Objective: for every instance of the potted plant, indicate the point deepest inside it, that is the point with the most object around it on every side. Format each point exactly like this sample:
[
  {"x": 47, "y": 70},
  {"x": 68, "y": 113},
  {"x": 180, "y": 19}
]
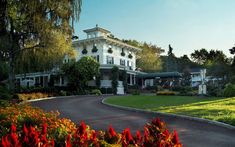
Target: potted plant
[
  {"x": 110, "y": 50},
  {"x": 123, "y": 53},
  {"x": 84, "y": 51},
  {"x": 94, "y": 49},
  {"x": 130, "y": 56}
]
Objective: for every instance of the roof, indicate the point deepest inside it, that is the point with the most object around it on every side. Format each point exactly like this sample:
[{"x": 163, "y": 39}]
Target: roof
[
  {"x": 107, "y": 39},
  {"x": 160, "y": 75},
  {"x": 96, "y": 29}
]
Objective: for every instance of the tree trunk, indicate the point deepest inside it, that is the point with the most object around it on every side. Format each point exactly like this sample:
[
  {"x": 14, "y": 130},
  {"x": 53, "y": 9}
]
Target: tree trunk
[
  {"x": 11, "y": 75},
  {"x": 3, "y": 7}
]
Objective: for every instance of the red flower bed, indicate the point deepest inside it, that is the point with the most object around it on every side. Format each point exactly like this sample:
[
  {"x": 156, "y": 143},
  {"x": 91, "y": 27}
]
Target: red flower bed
[
  {"x": 26, "y": 126},
  {"x": 155, "y": 134}
]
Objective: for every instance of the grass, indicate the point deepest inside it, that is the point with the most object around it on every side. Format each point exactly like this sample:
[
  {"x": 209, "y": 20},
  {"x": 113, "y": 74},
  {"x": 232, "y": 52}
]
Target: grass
[{"x": 219, "y": 109}]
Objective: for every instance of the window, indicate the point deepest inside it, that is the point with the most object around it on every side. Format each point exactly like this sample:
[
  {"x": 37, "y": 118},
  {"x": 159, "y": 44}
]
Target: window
[
  {"x": 62, "y": 80},
  {"x": 122, "y": 62},
  {"x": 129, "y": 64},
  {"x": 97, "y": 58},
  {"x": 109, "y": 60}
]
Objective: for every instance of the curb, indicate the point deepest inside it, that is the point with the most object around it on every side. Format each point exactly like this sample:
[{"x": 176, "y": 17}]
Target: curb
[{"x": 220, "y": 124}]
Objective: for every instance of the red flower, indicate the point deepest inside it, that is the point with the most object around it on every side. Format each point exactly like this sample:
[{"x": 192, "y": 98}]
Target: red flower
[
  {"x": 5, "y": 142},
  {"x": 82, "y": 128},
  {"x": 138, "y": 138},
  {"x": 25, "y": 130},
  {"x": 52, "y": 143},
  {"x": 111, "y": 131},
  {"x": 68, "y": 141},
  {"x": 14, "y": 139},
  {"x": 126, "y": 137},
  {"x": 13, "y": 128},
  {"x": 175, "y": 138},
  {"x": 93, "y": 136},
  {"x": 44, "y": 128}
]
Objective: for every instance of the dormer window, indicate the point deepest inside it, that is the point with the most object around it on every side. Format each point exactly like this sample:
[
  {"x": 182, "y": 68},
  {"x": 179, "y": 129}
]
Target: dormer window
[
  {"x": 110, "y": 49},
  {"x": 94, "y": 49}
]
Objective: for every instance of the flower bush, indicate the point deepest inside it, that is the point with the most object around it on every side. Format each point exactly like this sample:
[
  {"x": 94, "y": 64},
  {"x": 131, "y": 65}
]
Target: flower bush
[
  {"x": 165, "y": 93},
  {"x": 34, "y": 95},
  {"x": 31, "y": 127}
]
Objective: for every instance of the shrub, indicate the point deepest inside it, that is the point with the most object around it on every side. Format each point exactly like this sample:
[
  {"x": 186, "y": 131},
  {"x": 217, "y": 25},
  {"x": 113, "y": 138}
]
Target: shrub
[
  {"x": 106, "y": 90},
  {"x": 214, "y": 91},
  {"x": 4, "y": 93},
  {"x": 96, "y": 92},
  {"x": 30, "y": 96},
  {"x": 46, "y": 129},
  {"x": 229, "y": 90},
  {"x": 166, "y": 93},
  {"x": 183, "y": 90},
  {"x": 135, "y": 92},
  {"x": 62, "y": 93}
]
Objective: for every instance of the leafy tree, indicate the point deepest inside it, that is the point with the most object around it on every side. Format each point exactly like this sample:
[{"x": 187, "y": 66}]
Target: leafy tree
[
  {"x": 115, "y": 77},
  {"x": 123, "y": 77},
  {"x": 80, "y": 72},
  {"x": 88, "y": 69},
  {"x": 232, "y": 50},
  {"x": 149, "y": 58},
  {"x": 200, "y": 56},
  {"x": 71, "y": 70},
  {"x": 3, "y": 71},
  {"x": 36, "y": 25}
]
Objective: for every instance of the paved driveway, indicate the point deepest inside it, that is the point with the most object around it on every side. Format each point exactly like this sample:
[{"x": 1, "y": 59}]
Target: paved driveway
[{"x": 99, "y": 116}]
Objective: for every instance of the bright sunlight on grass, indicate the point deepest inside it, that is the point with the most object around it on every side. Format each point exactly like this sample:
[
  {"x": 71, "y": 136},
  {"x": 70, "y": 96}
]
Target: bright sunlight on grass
[{"x": 219, "y": 109}]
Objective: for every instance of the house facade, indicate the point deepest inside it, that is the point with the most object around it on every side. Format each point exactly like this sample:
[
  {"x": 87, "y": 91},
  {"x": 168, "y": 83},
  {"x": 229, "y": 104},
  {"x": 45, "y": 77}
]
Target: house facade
[
  {"x": 109, "y": 52},
  {"x": 105, "y": 49}
]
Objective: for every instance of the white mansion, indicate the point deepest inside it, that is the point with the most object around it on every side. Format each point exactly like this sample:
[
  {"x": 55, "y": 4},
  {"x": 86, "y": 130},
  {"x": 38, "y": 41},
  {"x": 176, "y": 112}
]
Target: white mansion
[{"x": 105, "y": 49}]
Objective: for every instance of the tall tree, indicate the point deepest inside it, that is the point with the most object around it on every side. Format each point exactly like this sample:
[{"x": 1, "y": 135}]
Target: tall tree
[
  {"x": 232, "y": 51},
  {"x": 200, "y": 56},
  {"x": 149, "y": 58},
  {"x": 36, "y": 25},
  {"x": 80, "y": 72}
]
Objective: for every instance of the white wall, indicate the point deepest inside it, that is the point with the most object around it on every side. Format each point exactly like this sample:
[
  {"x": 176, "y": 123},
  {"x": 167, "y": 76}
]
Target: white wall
[{"x": 103, "y": 53}]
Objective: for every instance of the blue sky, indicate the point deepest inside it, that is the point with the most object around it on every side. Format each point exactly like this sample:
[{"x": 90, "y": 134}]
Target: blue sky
[{"x": 185, "y": 24}]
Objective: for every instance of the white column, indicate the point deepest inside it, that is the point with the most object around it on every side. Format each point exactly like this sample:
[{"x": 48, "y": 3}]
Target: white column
[{"x": 60, "y": 81}]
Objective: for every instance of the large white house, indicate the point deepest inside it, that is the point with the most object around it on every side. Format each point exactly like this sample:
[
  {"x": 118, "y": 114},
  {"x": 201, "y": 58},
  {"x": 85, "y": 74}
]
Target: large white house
[
  {"x": 109, "y": 52},
  {"x": 100, "y": 45}
]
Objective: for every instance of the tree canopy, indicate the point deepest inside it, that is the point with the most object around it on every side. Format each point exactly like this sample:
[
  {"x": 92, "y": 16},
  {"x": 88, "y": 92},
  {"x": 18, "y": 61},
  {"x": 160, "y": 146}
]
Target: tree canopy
[
  {"x": 80, "y": 72},
  {"x": 38, "y": 28},
  {"x": 149, "y": 58}
]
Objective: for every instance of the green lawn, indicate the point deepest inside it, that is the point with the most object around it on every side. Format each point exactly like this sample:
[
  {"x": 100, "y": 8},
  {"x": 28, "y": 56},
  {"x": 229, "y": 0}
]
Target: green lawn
[{"x": 219, "y": 109}]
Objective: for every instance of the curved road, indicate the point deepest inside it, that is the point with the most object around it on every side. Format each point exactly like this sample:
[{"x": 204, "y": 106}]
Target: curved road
[{"x": 99, "y": 116}]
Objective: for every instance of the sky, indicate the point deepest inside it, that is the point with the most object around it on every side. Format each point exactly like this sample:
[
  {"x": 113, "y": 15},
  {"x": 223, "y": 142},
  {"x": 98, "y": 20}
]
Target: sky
[{"x": 187, "y": 25}]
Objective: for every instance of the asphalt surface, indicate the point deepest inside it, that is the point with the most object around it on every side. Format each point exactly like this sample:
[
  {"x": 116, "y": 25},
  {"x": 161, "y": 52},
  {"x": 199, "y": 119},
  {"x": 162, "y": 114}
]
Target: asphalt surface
[{"x": 99, "y": 116}]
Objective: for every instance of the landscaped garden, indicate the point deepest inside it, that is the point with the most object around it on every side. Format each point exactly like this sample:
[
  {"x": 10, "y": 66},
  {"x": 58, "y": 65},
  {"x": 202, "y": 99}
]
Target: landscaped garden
[{"x": 219, "y": 109}]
